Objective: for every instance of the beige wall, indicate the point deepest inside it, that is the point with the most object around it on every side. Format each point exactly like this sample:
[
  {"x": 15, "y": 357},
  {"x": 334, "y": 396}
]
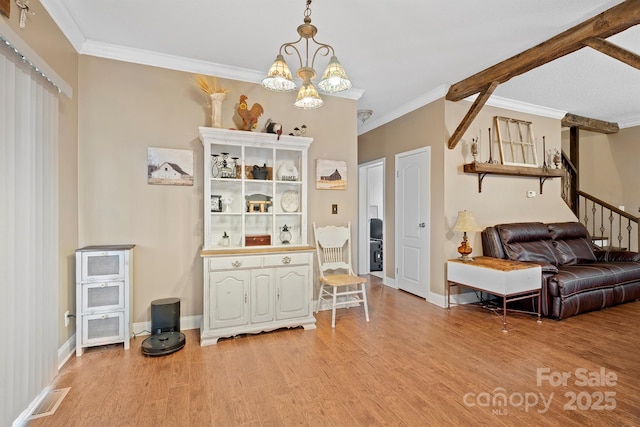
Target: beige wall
[
  {"x": 126, "y": 108},
  {"x": 503, "y": 198},
  {"x": 44, "y": 37},
  {"x": 420, "y": 128},
  {"x": 608, "y": 165},
  {"x": 626, "y": 152}
]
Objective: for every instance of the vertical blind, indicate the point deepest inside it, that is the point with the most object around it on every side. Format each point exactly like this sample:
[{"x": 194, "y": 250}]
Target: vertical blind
[{"x": 28, "y": 234}]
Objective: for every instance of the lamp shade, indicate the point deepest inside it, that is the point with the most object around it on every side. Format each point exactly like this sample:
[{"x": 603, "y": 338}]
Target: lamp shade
[
  {"x": 466, "y": 222},
  {"x": 279, "y": 76},
  {"x": 334, "y": 78},
  {"x": 308, "y": 97}
]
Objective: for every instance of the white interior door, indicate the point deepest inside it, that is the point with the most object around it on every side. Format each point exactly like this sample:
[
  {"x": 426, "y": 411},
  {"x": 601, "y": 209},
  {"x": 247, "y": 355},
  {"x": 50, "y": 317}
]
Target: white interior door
[{"x": 412, "y": 221}]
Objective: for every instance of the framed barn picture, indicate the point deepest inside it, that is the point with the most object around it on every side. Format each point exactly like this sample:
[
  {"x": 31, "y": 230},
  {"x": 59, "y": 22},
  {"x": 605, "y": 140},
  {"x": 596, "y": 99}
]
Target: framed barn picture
[
  {"x": 331, "y": 175},
  {"x": 166, "y": 166}
]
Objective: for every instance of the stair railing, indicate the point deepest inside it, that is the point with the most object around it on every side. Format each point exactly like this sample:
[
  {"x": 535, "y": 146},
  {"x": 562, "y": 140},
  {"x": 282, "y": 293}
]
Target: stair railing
[
  {"x": 606, "y": 222},
  {"x": 569, "y": 188}
]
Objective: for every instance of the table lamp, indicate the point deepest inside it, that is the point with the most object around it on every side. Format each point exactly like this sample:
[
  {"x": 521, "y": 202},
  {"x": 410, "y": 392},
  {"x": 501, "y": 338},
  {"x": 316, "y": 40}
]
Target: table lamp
[{"x": 465, "y": 223}]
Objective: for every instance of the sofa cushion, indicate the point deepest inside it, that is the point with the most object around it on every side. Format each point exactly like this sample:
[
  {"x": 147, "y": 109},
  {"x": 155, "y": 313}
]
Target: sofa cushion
[
  {"x": 529, "y": 241},
  {"x": 573, "y": 243},
  {"x": 575, "y": 251},
  {"x": 573, "y": 279},
  {"x": 616, "y": 256}
]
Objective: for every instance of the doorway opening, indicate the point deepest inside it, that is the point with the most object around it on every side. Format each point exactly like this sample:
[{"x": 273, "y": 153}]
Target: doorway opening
[{"x": 371, "y": 208}]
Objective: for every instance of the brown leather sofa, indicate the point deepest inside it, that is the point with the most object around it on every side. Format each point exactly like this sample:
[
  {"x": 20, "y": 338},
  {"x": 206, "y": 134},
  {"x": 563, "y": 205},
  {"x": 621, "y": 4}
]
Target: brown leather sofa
[{"x": 575, "y": 277}]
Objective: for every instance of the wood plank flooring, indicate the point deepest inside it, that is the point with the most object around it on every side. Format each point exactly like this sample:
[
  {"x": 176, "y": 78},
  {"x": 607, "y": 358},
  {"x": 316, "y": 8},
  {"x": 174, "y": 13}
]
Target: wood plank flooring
[{"x": 413, "y": 364}]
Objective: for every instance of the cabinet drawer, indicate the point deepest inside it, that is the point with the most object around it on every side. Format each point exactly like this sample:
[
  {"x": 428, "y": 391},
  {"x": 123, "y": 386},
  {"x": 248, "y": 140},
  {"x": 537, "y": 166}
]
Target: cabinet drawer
[
  {"x": 285, "y": 259},
  {"x": 234, "y": 262},
  {"x": 102, "y": 328},
  {"x": 101, "y": 297},
  {"x": 103, "y": 265}
]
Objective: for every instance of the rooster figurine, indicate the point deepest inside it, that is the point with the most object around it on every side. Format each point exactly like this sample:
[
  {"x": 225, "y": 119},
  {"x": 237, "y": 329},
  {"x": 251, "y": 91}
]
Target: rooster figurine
[{"x": 249, "y": 117}]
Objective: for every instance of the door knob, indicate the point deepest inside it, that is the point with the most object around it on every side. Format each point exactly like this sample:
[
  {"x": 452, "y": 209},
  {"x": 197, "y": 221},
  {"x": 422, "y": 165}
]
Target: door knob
[{"x": 421, "y": 225}]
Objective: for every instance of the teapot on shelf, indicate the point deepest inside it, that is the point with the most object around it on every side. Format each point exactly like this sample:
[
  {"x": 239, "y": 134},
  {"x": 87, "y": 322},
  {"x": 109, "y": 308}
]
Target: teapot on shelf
[{"x": 259, "y": 172}]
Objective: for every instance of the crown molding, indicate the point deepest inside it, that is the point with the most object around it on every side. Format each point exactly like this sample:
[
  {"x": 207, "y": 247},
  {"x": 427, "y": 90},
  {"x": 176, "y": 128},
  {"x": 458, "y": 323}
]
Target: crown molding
[
  {"x": 629, "y": 123},
  {"x": 180, "y": 63},
  {"x": 522, "y": 107},
  {"x": 441, "y": 91},
  {"x": 173, "y": 62},
  {"x": 412, "y": 105},
  {"x": 65, "y": 22}
]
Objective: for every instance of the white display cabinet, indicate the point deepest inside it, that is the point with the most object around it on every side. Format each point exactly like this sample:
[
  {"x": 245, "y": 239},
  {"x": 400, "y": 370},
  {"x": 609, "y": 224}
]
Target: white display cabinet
[
  {"x": 256, "y": 185},
  {"x": 258, "y": 267}
]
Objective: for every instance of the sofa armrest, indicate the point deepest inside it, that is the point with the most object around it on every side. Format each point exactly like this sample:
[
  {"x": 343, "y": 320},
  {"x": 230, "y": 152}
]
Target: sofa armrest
[
  {"x": 547, "y": 267},
  {"x": 617, "y": 256}
]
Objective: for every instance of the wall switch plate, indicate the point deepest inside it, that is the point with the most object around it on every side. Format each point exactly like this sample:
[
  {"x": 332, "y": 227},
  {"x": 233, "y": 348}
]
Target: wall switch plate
[
  {"x": 531, "y": 193},
  {"x": 66, "y": 318},
  {"x": 334, "y": 209}
]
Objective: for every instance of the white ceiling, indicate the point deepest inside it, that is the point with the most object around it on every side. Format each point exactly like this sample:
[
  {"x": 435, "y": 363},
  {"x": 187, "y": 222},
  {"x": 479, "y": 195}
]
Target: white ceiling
[{"x": 399, "y": 55}]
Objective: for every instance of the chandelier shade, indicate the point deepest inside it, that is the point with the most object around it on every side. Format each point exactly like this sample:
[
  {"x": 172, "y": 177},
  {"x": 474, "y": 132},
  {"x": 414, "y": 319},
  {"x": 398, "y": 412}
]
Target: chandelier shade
[
  {"x": 308, "y": 98},
  {"x": 334, "y": 79},
  {"x": 279, "y": 76}
]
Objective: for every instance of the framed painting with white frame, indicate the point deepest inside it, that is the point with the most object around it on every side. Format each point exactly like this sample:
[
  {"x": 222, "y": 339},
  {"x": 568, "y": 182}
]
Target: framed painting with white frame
[
  {"x": 516, "y": 142},
  {"x": 331, "y": 174}
]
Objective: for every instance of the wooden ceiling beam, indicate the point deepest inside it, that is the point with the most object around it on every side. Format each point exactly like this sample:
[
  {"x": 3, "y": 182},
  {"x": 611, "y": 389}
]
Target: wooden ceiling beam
[
  {"x": 593, "y": 125},
  {"x": 606, "y": 24},
  {"x": 477, "y": 105},
  {"x": 614, "y": 51}
]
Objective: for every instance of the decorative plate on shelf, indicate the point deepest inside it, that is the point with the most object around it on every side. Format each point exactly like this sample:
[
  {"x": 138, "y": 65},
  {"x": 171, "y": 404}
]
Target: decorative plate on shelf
[{"x": 290, "y": 201}]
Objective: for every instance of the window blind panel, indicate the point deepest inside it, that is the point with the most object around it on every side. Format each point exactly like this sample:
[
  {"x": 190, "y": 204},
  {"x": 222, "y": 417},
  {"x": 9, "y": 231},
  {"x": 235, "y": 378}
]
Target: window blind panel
[{"x": 29, "y": 241}]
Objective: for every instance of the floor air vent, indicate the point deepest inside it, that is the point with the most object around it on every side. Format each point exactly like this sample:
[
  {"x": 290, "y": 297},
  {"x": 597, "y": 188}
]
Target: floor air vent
[{"x": 49, "y": 403}]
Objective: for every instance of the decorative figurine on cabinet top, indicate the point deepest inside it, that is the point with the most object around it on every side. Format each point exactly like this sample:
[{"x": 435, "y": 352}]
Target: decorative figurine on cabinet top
[
  {"x": 249, "y": 116},
  {"x": 273, "y": 127}
]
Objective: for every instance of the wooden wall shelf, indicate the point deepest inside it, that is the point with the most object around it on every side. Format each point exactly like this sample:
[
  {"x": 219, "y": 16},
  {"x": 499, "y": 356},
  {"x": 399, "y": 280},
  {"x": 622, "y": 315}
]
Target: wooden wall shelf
[{"x": 484, "y": 169}]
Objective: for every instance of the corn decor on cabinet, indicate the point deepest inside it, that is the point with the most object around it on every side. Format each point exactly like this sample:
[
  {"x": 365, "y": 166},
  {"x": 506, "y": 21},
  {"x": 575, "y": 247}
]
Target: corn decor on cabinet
[
  {"x": 257, "y": 264},
  {"x": 103, "y": 295}
]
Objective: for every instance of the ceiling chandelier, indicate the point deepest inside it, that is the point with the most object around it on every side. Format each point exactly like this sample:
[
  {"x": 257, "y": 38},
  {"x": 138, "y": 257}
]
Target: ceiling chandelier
[{"x": 333, "y": 80}]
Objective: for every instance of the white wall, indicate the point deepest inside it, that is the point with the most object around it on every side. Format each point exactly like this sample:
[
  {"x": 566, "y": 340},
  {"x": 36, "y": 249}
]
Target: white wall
[{"x": 376, "y": 190}]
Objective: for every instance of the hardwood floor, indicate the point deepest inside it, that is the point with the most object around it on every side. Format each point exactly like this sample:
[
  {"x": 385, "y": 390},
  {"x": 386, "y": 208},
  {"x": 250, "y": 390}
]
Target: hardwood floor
[{"x": 413, "y": 364}]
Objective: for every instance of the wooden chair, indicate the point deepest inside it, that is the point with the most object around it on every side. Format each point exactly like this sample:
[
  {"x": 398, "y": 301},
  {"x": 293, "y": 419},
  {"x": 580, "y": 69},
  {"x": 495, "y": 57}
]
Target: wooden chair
[{"x": 333, "y": 248}]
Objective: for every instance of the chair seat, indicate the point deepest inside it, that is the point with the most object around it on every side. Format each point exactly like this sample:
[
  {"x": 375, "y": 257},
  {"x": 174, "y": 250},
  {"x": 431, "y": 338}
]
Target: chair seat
[
  {"x": 342, "y": 279},
  {"x": 333, "y": 249}
]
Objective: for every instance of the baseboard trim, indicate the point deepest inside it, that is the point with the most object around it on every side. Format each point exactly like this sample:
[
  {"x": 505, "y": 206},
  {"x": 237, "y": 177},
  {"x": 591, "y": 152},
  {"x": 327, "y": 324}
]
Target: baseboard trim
[
  {"x": 390, "y": 282},
  {"x": 186, "y": 322},
  {"x": 65, "y": 352}
]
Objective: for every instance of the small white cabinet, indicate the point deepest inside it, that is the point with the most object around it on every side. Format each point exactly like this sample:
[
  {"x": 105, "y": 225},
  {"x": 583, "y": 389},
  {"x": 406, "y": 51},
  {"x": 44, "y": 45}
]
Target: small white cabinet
[
  {"x": 257, "y": 265},
  {"x": 103, "y": 295}
]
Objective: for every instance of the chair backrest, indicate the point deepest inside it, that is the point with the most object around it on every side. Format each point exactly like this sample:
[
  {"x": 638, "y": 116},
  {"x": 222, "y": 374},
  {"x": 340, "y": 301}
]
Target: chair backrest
[{"x": 333, "y": 248}]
